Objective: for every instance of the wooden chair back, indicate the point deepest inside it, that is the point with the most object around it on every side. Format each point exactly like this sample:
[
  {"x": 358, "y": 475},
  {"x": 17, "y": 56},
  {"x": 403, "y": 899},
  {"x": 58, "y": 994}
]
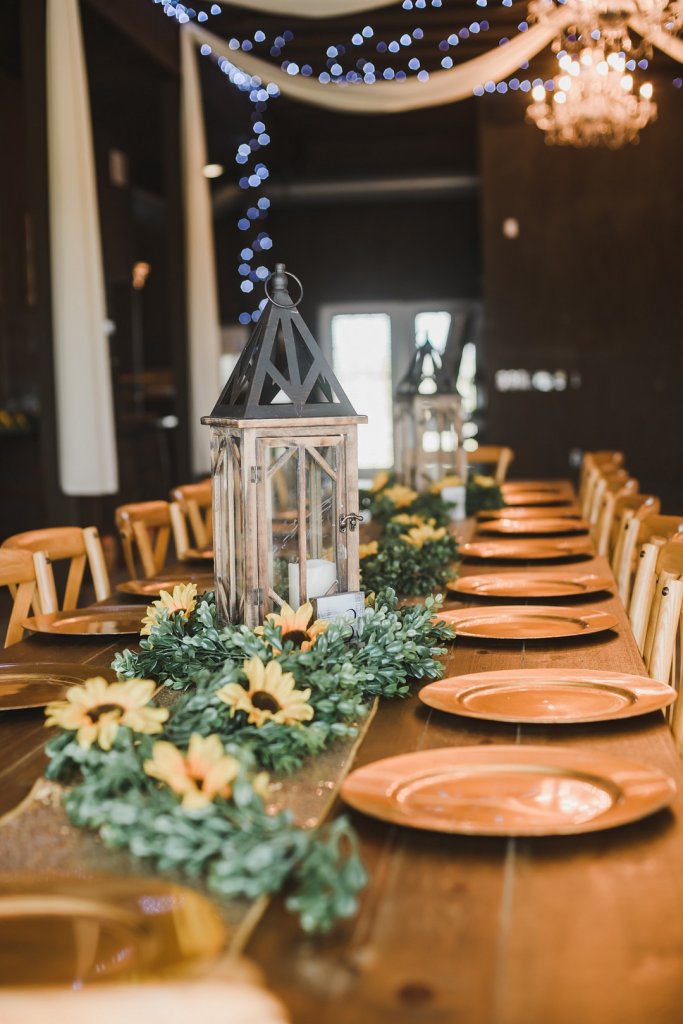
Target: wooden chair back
[
  {"x": 652, "y": 529},
  {"x": 145, "y": 527},
  {"x": 192, "y": 506},
  {"x": 596, "y": 460},
  {"x": 615, "y": 481},
  {"x": 18, "y": 573},
  {"x": 496, "y": 458},
  {"x": 612, "y": 506},
  {"x": 80, "y": 547},
  {"x": 626, "y": 507}
]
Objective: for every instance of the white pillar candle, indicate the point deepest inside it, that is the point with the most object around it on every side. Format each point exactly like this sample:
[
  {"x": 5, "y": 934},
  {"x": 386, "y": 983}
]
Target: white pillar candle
[
  {"x": 321, "y": 574},
  {"x": 455, "y": 496}
]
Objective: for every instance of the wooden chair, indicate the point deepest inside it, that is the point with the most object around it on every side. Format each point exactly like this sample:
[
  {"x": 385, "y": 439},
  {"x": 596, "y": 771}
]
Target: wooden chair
[
  {"x": 653, "y": 529},
  {"x": 80, "y": 546},
  {"x": 192, "y": 504},
  {"x": 17, "y": 572},
  {"x": 595, "y": 460},
  {"x": 496, "y": 457},
  {"x": 627, "y": 506},
  {"x": 614, "y": 480},
  {"x": 612, "y": 506},
  {"x": 145, "y": 526}
]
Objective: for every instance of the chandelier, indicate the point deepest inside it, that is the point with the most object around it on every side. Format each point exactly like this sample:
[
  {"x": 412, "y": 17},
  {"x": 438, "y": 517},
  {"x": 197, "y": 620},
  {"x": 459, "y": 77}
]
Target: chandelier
[
  {"x": 609, "y": 22},
  {"x": 592, "y": 103}
]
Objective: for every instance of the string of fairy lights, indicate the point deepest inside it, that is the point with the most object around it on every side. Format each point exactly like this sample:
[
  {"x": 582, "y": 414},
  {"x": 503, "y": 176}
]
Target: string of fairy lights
[{"x": 361, "y": 59}]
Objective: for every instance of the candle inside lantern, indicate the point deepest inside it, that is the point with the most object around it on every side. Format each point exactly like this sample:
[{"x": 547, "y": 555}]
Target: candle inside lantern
[
  {"x": 455, "y": 496},
  {"x": 321, "y": 575}
]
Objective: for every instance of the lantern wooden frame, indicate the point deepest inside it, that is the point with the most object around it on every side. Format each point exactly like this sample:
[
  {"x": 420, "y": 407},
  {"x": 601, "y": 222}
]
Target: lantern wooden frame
[{"x": 416, "y": 416}]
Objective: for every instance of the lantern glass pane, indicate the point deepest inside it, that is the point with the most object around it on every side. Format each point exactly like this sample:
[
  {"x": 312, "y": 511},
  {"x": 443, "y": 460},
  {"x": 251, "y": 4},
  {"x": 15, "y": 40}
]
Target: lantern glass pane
[
  {"x": 237, "y": 552},
  {"x": 282, "y": 519},
  {"x": 322, "y": 576}
]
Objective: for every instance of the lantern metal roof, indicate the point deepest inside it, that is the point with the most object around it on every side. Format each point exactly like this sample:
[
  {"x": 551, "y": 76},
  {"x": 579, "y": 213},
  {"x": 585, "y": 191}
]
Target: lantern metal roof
[
  {"x": 282, "y": 372},
  {"x": 417, "y": 373}
]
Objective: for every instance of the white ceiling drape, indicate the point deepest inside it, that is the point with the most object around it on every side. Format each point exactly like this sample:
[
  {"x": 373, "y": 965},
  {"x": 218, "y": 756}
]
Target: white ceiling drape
[
  {"x": 83, "y": 387},
  {"x": 397, "y": 97},
  {"x": 309, "y": 8},
  {"x": 202, "y": 300}
]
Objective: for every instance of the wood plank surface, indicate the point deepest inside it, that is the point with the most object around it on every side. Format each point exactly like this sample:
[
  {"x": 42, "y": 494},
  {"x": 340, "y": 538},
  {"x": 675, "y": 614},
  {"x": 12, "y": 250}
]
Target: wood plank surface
[{"x": 465, "y": 930}]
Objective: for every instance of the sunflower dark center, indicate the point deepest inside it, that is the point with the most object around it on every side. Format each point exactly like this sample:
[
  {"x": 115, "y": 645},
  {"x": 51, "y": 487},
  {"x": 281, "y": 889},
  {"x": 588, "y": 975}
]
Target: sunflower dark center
[
  {"x": 265, "y": 701},
  {"x": 102, "y": 709},
  {"x": 297, "y": 636}
]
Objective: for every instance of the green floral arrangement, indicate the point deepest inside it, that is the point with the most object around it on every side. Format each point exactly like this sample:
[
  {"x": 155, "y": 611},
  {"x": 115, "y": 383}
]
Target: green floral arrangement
[
  {"x": 412, "y": 550},
  {"x": 199, "y": 810},
  {"x": 482, "y": 493},
  {"x": 288, "y": 688},
  {"x": 183, "y": 786},
  {"x": 388, "y": 499}
]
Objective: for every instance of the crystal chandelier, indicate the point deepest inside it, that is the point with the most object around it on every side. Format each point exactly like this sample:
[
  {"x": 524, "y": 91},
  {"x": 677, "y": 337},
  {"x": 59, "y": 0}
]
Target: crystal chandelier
[
  {"x": 609, "y": 20},
  {"x": 592, "y": 102}
]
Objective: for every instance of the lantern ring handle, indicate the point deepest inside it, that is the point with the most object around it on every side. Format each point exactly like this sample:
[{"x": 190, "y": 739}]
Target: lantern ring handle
[{"x": 281, "y": 305}]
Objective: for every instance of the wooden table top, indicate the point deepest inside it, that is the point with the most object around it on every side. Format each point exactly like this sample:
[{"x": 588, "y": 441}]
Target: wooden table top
[{"x": 465, "y": 930}]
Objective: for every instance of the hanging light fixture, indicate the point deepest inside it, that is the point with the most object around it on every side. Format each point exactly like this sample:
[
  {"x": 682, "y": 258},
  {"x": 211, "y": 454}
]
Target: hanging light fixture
[{"x": 593, "y": 102}]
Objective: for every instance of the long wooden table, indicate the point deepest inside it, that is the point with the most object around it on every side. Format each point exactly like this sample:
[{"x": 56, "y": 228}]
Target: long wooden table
[{"x": 463, "y": 930}]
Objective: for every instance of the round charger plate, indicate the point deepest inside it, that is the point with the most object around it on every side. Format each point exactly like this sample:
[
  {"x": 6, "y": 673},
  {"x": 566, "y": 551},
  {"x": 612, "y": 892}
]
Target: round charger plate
[
  {"x": 548, "y": 525},
  {"x": 551, "y": 486},
  {"x": 519, "y": 550},
  {"x": 524, "y": 512},
  {"x": 153, "y": 587},
  {"x": 73, "y": 931},
  {"x": 535, "y": 497},
  {"x": 121, "y": 620},
  {"x": 526, "y": 622},
  {"x": 508, "y": 790},
  {"x": 548, "y": 696},
  {"x": 34, "y": 686},
  {"x": 531, "y": 584}
]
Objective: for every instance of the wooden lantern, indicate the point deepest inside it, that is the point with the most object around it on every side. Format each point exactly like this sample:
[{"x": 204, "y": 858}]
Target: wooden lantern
[
  {"x": 427, "y": 423},
  {"x": 284, "y": 471}
]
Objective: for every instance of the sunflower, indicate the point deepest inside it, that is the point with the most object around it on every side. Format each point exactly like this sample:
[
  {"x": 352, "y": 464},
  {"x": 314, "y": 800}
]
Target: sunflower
[
  {"x": 272, "y": 695},
  {"x": 400, "y": 495},
  {"x": 421, "y": 535},
  {"x": 379, "y": 481},
  {"x": 200, "y": 775},
  {"x": 98, "y": 708},
  {"x": 183, "y": 600},
  {"x": 407, "y": 520},
  {"x": 447, "y": 481},
  {"x": 297, "y": 626},
  {"x": 366, "y": 550},
  {"x": 483, "y": 481}
]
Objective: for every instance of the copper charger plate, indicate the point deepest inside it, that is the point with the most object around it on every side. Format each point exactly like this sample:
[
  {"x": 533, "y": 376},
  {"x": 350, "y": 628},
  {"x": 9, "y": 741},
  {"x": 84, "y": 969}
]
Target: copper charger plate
[
  {"x": 23, "y": 687},
  {"x": 545, "y": 525},
  {"x": 525, "y": 622},
  {"x": 533, "y": 512},
  {"x": 551, "y": 486},
  {"x": 531, "y": 584},
  {"x": 508, "y": 790},
  {"x": 197, "y": 555},
  {"x": 121, "y": 620},
  {"x": 553, "y": 696},
  {"x": 74, "y": 931},
  {"x": 520, "y": 550},
  {"x": 153, "y": 587},
  {"x": 536, "y": 497}
]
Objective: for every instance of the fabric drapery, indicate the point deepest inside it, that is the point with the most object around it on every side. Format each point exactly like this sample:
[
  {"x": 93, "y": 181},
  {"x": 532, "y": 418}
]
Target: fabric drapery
[
  {"x": 202, "y": 299},
  {"x": 84, "y": 402},
  {"x": 397, "y": 97}
]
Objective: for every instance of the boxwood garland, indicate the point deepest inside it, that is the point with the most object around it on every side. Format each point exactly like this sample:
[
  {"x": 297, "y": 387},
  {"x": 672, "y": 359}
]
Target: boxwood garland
[{"x": 234, "y": 843}]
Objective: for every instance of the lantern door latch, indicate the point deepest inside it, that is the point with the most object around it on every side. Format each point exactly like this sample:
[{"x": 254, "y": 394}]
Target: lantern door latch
[
  {"x": 350, "y": 520},
  {"x": 256, "y": 474}
]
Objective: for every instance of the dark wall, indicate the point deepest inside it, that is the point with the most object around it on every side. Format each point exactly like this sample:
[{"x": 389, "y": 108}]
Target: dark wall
[
  {"x": 358, "y": 253},
  {"x": 591, "y": 285}
]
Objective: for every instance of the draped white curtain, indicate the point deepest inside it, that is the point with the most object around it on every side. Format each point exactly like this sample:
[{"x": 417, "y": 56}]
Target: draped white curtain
[
  {"x": 396, "y": 97},
  {"x": 85, "y": 409},
  {"x": 202, "y": 299},
  {"x": 309, "y": 8}
]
